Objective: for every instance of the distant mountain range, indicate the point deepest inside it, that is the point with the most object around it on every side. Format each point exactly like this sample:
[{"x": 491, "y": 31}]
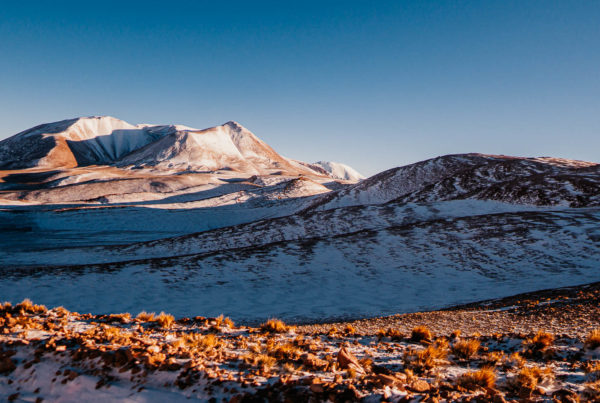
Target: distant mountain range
[
  {"x": 243, "y": 230},
  {"x": 104, "y": 140}
]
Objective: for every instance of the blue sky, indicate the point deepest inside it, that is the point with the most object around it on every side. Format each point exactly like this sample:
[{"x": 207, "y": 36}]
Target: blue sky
[{"x": 372, "y": 84}]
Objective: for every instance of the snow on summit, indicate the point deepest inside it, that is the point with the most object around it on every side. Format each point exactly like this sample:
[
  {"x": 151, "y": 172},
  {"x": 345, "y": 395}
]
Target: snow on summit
[
  {"x": 104, "y": 140},
  {"x": 340, "y": 171}
]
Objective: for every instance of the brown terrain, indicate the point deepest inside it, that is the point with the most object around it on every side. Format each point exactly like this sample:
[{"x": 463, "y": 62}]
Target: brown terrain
[{"x": 542, "y": 346}]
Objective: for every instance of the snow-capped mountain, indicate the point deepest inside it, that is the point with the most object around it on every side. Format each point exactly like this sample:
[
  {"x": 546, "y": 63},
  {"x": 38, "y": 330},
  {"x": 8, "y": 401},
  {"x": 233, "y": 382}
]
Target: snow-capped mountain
[
  {"x": 104, "y": 140},
  {"x": 338, "y": 170},
  {"x": 96, "y": 203},
  {"x": 530, "y": 181}
]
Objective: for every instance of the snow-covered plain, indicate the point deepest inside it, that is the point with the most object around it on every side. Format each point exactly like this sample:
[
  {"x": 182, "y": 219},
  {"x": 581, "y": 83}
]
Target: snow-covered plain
[{"x": 215, "y": 221}]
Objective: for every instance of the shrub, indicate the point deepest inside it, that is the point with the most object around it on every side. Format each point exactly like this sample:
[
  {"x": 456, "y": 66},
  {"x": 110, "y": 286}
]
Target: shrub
[
  {"x": 515, "y": 360},
  {"x": 483, "y": 378},
  {"x": 592, "y": 341},
  {"x": 275, "y": 326},
  {"x": 119, "y": 317},
  {"x": 421, "y": 333},
  {"x": 284, "y": 352},
  {"x": 393, "y": 334},
  {"x": 466, "y": 348},
  {"x": 592, "y": 391},
  {"x": 263, "y": 361},
  {"x": 528, "y": 378},
  {"x": 494, "y": 357},
  {"x": 26, "y": 306},
  {"x": 349, "y": 329},
  {"x": 427, "y": 358},
  {"x": 592, "y": 369},
  {"x": 201, "y": 342},
  {"x": 145, "y": 316},
  {"x": 541, "y": 340},
  {"x": 165, "y": 320}
]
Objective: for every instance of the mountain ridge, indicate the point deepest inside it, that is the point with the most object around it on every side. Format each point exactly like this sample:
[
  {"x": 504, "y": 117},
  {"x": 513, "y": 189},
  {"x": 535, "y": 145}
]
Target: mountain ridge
[{"x": 105, "y": 140}]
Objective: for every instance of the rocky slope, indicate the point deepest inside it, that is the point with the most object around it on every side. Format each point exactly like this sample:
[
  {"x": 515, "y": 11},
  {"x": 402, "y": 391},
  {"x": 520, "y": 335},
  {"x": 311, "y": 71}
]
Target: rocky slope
[{"x": 57, "y": 355}]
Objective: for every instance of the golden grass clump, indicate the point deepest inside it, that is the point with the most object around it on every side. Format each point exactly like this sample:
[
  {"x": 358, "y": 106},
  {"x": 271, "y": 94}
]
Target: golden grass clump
[
  {"x": 222, "y": 320},
  {"x": 592, "y": 370},
  {"x": 284, "y": 352},
  {"x": 60, "y": 311},
  {"x": 483, "y": 378},
  {"x": 145, "y": 316},
  {"x": 110, "y": 334},
  {"x": 592, "y": 341},
  {"x": 515, "y": 360},
  {"x": 165, "y": 320},
  {"x": 540, "y": 341},
  {"x": 119, "y": 317},
  {"x": 393, "y": 334},
  {"x": 275, "y": 326},
  {"x": 591, "y": 392},
  {"x": 427, "y": 358},
  {"x": 466, "y": 348},
  {"x": 263, "y": 361},
  {"x": 494, "y": 357},
  {"x": 528, "y": 378},
  {"x": 26, "y": 306},
  {"x": 349, "y": 329},
  {"x": 421, "y": 333},
  {"x": 201, "y": 342}
]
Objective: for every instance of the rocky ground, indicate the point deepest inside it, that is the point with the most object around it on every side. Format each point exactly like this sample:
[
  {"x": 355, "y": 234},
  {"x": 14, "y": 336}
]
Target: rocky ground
[{"x": 542, "y": 346}]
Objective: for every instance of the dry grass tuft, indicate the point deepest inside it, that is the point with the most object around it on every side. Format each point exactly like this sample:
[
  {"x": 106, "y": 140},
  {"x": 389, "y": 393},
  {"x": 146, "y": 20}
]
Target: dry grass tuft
[
  {"x": 483, "y": 378},
  {"x": 222, "y": 320},
  {"x": 592, "y": 370},
  {"x": 428, "y": 358},
  {"x": 262, "y": 361},
  {"x": 494, "y": 357},
  {"x": 5, "y": 306},
  {"x": 591, "y": 392},
  {"x": 145, "y": 316},
  {"x": 228, "y": 322},
  {"x": 349, "y": 329},
  {"x": 528, "y": 379},
  {"x": 515, "y": 360},
  {"x": 119, "y": 317},
  {"x": 540, "y": 341},
  {"x": 592, "y": 341},
  {"x": 283, "y": 352},
  {"x": 466, "y": 348},
  {"x": 275, "y": 326},
  {"x": 201, "y": 342},
  {"x": 60, "y": 311},
  {"x": 393, "y": 334},
  {"x": 165, "y": 320},
  {"x": 26, "y": 306},
  {"x": 421, "y": 333}
]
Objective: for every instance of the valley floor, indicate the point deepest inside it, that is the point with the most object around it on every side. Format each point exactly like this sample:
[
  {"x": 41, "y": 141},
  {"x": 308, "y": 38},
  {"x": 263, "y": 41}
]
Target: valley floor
[{"x": 542, "y": 346}]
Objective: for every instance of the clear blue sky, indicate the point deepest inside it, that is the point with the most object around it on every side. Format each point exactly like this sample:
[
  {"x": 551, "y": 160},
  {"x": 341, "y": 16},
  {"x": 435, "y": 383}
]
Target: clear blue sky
[{"x": 373, "y": 84}]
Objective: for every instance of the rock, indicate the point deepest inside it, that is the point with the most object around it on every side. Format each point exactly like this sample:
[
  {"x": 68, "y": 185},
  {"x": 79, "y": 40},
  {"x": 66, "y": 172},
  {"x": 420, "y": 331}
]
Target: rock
[
  {"x": 7, "y": 365},
  {"x": 316, "y": 388},
  {"x": 313, "y": 361},
  {"x": 122, "y": 357},
  {"x": 420, "y": 386},
  {"x": 565, "y": 396},
  {"x": 347, "y": 360},
  {"x": 387, "y": 380}
]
